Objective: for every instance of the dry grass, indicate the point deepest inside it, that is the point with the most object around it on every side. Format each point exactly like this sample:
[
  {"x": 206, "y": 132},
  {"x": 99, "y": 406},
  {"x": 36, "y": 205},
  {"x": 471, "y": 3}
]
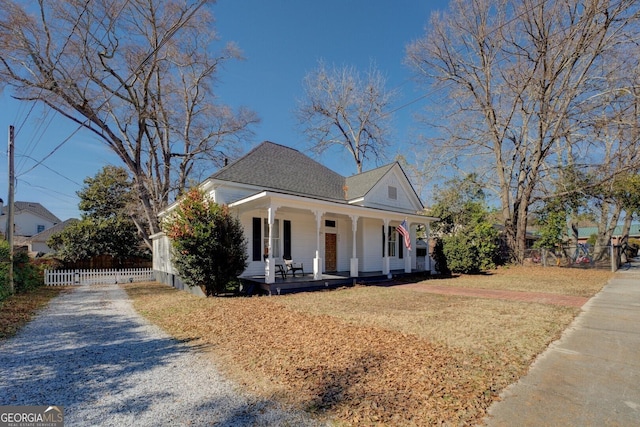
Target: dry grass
[
  {"x": 470, "y": 324},
  {"x": 17, "y": 310},
  {"x": 375, "y": 355},
  {"x": 557, "y": 280}
]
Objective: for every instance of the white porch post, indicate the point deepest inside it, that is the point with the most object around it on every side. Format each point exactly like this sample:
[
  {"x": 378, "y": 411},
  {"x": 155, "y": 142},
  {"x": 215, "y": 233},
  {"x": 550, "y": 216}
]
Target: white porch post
[
  {"x": 317, "y": 261},
  {"x": 269, "y": 265},
  {"x": 408, "y": 258},
  {"x": 354, "y": 255},
  {"x": 385, "y": 250}
]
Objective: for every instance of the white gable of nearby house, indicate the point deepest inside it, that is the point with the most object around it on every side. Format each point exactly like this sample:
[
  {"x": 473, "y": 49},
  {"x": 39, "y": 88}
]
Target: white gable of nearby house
[
  {"x": 293, "y": 207},
  {"x": 30, "y": 218}
]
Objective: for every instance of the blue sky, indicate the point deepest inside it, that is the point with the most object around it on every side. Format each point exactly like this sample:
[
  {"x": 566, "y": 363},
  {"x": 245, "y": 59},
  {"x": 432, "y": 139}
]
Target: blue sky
[{"x": 282, "y": 41}]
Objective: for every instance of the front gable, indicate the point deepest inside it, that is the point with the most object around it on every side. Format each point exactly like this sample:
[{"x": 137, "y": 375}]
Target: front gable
[{"x": 388, "y": 189}]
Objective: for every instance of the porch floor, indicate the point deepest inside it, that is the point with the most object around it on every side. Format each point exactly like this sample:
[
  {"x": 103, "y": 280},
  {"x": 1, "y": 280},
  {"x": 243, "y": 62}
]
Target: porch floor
[{"x": 306, "y": 282}]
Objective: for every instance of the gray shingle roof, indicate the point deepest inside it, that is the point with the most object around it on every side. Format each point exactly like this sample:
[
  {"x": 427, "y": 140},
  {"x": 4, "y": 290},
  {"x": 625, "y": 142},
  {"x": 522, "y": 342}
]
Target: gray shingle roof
[
  {"x": 276, "y": 167},
  {"x": 359, "y": 185},
  {"x": 33, "y": 207},
  {"x": 44, "y": 235}
]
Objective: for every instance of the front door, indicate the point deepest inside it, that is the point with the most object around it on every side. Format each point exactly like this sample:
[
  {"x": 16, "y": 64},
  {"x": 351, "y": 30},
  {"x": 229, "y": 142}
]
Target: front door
[{"x": 330, "y": 252}]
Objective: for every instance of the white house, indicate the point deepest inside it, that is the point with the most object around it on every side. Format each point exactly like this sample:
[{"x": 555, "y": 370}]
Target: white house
[
  {"x": 38, "y": 243},
  {"x": 30, "y": 218},
  {"x": 295, "y": 208}
]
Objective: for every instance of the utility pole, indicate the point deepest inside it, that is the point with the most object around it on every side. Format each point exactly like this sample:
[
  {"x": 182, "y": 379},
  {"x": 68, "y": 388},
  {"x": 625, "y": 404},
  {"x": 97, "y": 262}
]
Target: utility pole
[{"x": 11, "y": 207}]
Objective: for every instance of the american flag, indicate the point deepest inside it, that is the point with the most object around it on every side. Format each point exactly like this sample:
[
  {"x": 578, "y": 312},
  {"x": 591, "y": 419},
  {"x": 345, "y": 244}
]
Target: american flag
[{"x": 403, "y": 229}]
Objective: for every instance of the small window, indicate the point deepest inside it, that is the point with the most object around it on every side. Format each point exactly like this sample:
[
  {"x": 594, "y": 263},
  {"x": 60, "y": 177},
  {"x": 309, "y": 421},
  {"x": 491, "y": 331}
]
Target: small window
[
  {"x": 393, "y": 192},
  {"x": 330, "y": 223},
  {"x": 40, "y": 228}
]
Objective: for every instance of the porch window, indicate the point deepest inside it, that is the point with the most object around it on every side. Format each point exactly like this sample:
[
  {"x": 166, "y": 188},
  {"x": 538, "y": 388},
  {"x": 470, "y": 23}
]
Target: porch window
[
  {"x": 392, "y": 241},
  {"x": 275, "y": 239}
]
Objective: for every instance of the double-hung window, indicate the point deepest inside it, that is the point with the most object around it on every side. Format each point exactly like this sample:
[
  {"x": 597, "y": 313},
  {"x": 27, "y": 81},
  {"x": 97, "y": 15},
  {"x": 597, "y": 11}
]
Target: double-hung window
[
  {"x": 393, "y": 241},
  {"x": 279, "y": 241},
  {"x": 275, "y": 238}
]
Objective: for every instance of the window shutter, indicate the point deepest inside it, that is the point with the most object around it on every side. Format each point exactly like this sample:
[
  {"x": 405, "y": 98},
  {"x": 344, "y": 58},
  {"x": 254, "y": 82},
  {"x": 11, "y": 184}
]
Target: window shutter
[
  {"x": 287, "y": 239},
  {"x": 257, "y": 239}
]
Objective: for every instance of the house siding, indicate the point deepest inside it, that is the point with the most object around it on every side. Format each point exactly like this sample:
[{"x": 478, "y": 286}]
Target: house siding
[
  {"x": 26, "y": 224},
  {"x": 39, "y": 247},
  {"x": 229, "y": 194},
  {"x": 371, "y": 259},
  {"x": 162, "y": 254}
]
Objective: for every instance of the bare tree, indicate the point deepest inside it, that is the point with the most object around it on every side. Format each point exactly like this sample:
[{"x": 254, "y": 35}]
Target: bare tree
[
  {"x": 613, "y": 134},
  {"x": 341, "y": 107},
  {"x": 515, "y": 72},
  {"x": 139, "y": 74}
]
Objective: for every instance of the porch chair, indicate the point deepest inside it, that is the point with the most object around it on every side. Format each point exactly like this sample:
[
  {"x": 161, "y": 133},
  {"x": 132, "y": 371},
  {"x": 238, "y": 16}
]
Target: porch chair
[{"x": 292, "y": 267}]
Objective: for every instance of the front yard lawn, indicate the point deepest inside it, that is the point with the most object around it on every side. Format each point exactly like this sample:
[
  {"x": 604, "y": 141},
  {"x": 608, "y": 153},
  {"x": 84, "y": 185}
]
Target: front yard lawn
[{"x": 377, "y": 355}]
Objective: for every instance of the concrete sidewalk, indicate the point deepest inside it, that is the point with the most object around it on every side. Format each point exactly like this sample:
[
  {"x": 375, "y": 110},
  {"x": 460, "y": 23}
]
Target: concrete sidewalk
[{"x": 591, "y": 376}]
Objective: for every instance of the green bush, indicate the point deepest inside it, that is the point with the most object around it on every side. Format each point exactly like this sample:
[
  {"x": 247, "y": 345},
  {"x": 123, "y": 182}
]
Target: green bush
[
  {"x": 472, "y": 249},
  {"x": 27, "y": 276},
  {"x": 440, "y": 258},
  {"x": 208, "y": 245}
]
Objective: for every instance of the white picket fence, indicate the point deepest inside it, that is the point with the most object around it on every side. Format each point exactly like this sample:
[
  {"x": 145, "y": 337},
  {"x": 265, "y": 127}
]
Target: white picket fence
[{"x": 97, "y": 277}]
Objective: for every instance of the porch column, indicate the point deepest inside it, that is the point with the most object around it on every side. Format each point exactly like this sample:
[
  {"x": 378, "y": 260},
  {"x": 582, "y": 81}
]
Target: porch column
[
  {"x": 354, "y": 255},
  {"x": 317, "y": 261},
  {"x": 408, "y": 257},
  {"x": 269, "y": 265},
  {"x": 385, "y": 250}
]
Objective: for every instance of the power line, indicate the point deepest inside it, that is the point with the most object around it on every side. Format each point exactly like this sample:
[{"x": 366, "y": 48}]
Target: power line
[
  {"x": 51, "y": 170},
  {"x": 46, "y": 111},
  {"x": 64, "y": 46}
]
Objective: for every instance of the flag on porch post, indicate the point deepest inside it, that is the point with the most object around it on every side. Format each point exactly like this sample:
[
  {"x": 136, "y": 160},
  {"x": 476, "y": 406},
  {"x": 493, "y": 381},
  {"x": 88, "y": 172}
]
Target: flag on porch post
[{"x": 403, "y": 229}]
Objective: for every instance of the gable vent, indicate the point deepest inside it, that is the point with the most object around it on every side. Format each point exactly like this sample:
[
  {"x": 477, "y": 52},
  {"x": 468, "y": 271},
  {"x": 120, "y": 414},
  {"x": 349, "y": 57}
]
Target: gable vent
[{"x": 393, "y": 192}]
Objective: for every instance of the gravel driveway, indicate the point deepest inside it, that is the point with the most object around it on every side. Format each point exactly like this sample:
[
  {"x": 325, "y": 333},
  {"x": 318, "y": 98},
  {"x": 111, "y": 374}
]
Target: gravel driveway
[{"x": 90, "y": 352}]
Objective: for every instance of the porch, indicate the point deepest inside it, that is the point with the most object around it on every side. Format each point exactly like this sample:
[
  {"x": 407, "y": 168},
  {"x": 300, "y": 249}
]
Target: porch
[{"x": 253, "y": 285}]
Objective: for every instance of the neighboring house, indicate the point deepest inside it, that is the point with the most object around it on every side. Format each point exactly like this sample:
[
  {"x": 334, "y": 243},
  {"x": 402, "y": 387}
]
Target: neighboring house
[
  {"x": 30, "y": 218},
  {"x": 293, "y": 207},
  {"x": 38, "y": 244},
  {"x": 584, "y": 233}
]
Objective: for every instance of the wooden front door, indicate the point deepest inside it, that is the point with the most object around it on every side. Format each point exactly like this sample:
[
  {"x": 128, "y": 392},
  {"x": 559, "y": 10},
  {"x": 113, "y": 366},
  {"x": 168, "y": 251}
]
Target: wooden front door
[{"x": 330, "y": 252}]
